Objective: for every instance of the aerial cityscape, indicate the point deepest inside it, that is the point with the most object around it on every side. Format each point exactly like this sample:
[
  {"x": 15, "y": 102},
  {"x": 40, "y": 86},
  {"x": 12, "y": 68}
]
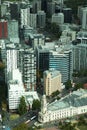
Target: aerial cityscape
[{"x": 43, "y": 65}]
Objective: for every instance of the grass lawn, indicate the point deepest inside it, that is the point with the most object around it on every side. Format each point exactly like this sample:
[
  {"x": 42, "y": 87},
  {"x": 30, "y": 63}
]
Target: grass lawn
[
  {"x": 14, "y": 116},
  {"x": 82, "y": 127}
]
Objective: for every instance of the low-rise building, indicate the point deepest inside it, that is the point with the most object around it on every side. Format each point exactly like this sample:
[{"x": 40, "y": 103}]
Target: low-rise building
[
  {"x": 16, "y": 90},
  {"x": 71, "y": 105}
]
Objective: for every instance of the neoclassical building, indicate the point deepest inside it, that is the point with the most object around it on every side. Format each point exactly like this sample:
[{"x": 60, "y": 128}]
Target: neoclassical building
[{"x": 73, "y": 104}]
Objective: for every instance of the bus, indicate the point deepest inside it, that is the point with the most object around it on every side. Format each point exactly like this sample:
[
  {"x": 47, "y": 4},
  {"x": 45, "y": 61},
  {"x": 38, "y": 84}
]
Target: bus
[{"x": 27, "y": 121}]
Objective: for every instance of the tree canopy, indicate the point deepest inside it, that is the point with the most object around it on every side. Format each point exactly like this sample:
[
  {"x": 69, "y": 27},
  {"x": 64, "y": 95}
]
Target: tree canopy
[
  {"x": 53, "y": 29},
  {"x": 68, "y": 84},
  {"x": 36, "y": 105},
  {"x": 22, "y": 109},
  {"x": 2, "y": 65},
  {"x": 21, "y": 127}
]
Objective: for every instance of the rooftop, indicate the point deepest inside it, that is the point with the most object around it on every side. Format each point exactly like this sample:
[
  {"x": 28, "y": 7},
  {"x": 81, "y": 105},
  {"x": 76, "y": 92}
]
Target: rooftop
[
  {"x": 53, "y": 73},
  {"x": 75, "y": 99}
]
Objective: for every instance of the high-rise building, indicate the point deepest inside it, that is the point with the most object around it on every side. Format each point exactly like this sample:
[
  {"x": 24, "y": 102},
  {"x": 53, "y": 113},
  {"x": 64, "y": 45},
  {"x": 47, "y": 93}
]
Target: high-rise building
[
  {"x": 84, "y": 18},
  {"x": 50, "y": 8},
  {"x": 63, "y": 62},
  {"x": 59, "y": 58},
  {"x": 25, "y": 16},
  {"x": 27, "y": 66},
  {"x": 52, "y": 81},
  {"x": 32, "y": 20},
  {"x": 44, "y": 5},
  {"x": 36, "y": 6},
  {"x": 80, "y": 56},
  {"x": 3, "y": 10},
  {"x": 42, "y": 60},
  {"x": 11, "y": 62},
  {"x": 14, "y": 10},
  {"x": 3, "y": 29},
  {"x": 13, "y": 31},
  {"x": 67, "y": 15},
  {"x": 41, "y": 19}
]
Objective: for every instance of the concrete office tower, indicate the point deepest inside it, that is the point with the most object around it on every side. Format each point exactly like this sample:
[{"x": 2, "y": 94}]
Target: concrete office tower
[
  {"x": 52, "y": 81},
  {"x": 36, "y": 6},
  {"x": 50, "y": 8},
  {"x": 41, "y": 19},
  {"x": 27, "y": 66},
  {"x": 13, "y": 31},
  {"x": 3, "y": 9},
  {"x": 32, "y": 18},
  {"x": 84, "y": 18},
  {"x": 3, "y": 29},
  {"x": 80, "y": 12},
  {"x": 63, "y": 62},
  {"x": 80, "y": 56},
  {"x": 67, "y": 15},
  {"x": 44, "y": 5},
  {"x": 14, "y": 10},
  {"x": 58, "y": 18},
  {"x": 24, "y": 16}
]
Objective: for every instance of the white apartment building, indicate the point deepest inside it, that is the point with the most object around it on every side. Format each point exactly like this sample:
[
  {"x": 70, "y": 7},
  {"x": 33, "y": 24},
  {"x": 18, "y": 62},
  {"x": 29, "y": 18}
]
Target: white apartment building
[
  {"x": 25, "y": 16},
  {"x": 11, "y": 62},
  {"x": 15, "y": 89},
  {"x": 73, "y": 104},
  {"x": 51, "y": 81}
]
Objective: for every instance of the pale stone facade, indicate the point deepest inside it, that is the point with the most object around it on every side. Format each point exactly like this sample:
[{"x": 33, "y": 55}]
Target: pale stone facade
[
  {"x": 52, "y": 81},
  {"x": 71, "y": 105}
]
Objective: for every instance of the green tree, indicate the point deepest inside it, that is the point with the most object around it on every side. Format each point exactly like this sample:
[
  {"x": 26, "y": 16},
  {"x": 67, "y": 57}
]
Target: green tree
[
  {"x": 22, "y": 109},
  {"x": 68, "y": 84},
  {"x": 55, "y": 30},
  {"x": 2, "y": 65},
  {"x": 81, "y": 120},
  {"x": 36, "y": 105},
  {"x": 56, "y": 93},
  {"x": 78, "y": 86},
  {"x": 22, "y": 126}
]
